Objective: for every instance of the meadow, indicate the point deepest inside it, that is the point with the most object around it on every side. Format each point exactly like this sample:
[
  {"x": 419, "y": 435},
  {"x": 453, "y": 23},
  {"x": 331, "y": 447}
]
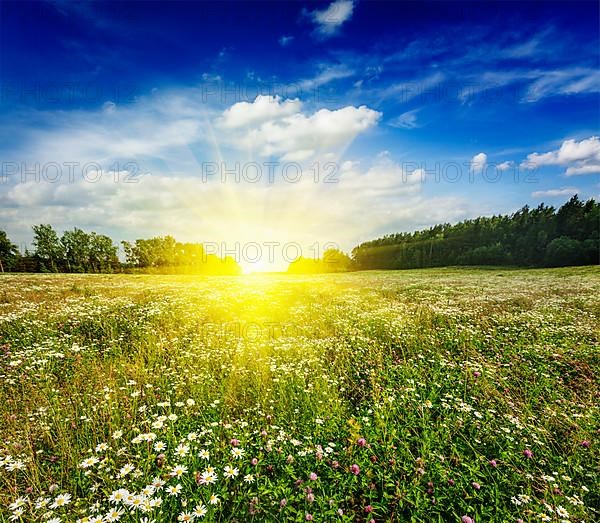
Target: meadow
[{"x": 442, "y": 395}]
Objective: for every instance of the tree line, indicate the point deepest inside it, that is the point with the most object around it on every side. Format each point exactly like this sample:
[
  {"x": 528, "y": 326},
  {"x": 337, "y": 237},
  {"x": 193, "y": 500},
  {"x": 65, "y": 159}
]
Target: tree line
[
  {"x": 80, "y": 251},
  {"x": 74, "y": 251},
  {"x": 166, "y": 254},
  {"x": 539, "y": 237}
]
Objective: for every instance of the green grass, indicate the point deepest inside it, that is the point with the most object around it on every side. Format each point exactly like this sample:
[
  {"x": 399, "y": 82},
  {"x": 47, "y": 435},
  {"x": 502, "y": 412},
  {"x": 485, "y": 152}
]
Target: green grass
[{"x": 413, "y": 396}]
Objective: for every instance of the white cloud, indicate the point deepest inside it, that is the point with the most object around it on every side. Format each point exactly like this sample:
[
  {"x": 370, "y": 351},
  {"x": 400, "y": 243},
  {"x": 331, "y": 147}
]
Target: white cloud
[
  {"x": 161, "y": 127},
  {"x": 172, "y": 132},
  {"x": 329, "y": 20},
  {"x": 262, "y": 109},
  {"x": 567, "y": 81},
  {"x": 479, "y": 162},
  {"x": 531, "y": 85},
  {"x": 327, "y": 73},
  {"x": 581, "y": 157},
  {"x": 407, "y": 120},
  {"x": 570, "y": 151},
  {"x": 505, "y": 166},
  {"x": 551, "y": 64},
  {"x": 280, "y": 129},
  {"x": 551, "y": 193},
  {"x": 589, "y": 168}
]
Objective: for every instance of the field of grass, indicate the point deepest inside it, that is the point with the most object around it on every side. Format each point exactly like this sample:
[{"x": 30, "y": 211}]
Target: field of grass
[{"x": 425, "y": 396}]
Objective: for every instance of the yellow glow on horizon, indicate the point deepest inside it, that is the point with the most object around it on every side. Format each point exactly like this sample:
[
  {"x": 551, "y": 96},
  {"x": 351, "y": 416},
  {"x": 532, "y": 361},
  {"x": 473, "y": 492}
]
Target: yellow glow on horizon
[{"x": 249, "y": 267}]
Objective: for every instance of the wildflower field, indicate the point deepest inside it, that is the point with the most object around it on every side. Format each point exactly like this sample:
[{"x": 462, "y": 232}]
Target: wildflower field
[{"x": 421, "y": 396}]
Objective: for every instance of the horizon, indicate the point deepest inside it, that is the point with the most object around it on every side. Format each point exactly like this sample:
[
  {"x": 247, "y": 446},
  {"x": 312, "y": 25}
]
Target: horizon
[
  {"x": 260, "y": 259},
  {"x": 544, "y": 236}
]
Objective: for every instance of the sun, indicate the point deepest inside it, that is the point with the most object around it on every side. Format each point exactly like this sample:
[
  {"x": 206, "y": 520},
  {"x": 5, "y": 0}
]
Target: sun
[{"x": 251, "y": 267}]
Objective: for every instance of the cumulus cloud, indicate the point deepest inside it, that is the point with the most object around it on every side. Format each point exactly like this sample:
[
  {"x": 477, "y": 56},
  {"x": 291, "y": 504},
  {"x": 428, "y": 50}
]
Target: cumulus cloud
[
  {"x": 280, "y": 129},
  {"x": 262, "y": 109},
  {"x": 581, "y": 157},
  {"x": 551, "y": 193},
  {"x": 479, "y": 162},
  {"x": 329, "y": 20},
  {"x": 583, "y": 168}
]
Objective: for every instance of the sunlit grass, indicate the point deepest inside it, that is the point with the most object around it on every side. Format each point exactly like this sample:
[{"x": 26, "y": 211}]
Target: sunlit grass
[{"x": 411, "y": 396}]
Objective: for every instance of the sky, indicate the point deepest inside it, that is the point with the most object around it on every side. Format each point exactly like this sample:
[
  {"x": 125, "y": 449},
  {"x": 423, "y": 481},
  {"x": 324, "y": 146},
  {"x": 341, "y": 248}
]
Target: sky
[{"x": 295, "y": 125}]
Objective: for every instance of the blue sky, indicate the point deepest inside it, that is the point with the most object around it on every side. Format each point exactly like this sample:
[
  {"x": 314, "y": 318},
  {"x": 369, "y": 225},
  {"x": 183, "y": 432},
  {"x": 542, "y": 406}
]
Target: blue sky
[{"x": 378, "y": 89}]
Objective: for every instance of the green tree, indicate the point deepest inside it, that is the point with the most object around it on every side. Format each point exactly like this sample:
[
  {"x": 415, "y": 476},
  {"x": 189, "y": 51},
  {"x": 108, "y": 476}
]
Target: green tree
[
  {"x": 8, "y": 252},
  {"x": 564, "y": 251},
  {"x": 102, "y": 253},
  {"x": 76, "y": 245},
  {"x": 335, "y": 260},
  {"x": 48, "y": 248}
]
